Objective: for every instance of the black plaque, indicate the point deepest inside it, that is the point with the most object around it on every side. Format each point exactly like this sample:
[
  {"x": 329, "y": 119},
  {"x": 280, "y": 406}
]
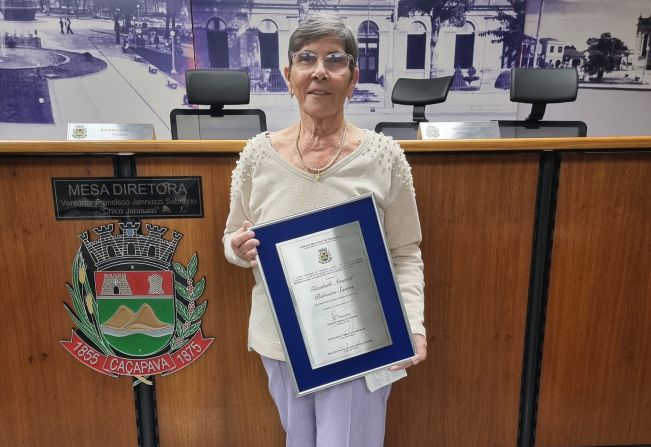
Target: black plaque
[{"x": 135, "y": 197}]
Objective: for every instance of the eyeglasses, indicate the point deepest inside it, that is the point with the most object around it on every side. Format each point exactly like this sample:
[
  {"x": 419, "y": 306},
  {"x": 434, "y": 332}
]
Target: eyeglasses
[{"x": 333, "y": 62}]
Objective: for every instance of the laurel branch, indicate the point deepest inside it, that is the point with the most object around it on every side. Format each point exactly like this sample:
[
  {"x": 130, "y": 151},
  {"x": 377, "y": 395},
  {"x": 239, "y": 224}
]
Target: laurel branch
[
  {"x": 85, "y": 309},
  {"x": 188, "y": 316}
]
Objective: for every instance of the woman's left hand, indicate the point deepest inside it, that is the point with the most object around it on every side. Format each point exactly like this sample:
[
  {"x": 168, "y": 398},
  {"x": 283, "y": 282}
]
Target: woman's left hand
[{"x": 421, "y": 353}]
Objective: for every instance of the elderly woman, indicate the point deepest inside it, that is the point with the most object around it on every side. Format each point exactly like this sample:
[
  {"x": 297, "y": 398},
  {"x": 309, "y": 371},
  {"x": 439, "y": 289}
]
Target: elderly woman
[{"x": 321, "y": 160}]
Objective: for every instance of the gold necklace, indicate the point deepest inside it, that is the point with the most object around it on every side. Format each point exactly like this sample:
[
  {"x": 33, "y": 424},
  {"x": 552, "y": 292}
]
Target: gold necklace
[{"x": 317, "y": 171}]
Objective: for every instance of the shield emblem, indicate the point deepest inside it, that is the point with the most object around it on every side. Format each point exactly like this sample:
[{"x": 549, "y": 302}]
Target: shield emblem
[
  {"x": 136, "y": 309},
  {"x": 79, "y": 132},
  {"x": 324, "y": 256}
]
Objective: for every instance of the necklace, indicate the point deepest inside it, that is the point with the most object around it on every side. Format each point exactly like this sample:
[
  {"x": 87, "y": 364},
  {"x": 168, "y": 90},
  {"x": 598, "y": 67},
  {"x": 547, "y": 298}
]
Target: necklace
[{"x": 317, "y": 171}]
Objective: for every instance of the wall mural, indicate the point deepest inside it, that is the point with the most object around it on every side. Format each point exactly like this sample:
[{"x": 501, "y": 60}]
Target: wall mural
[
  {"x": 473, "y": 41},
  {"x": 87, "y": 61},
  {"x": 113, "y": 61},
  {"x": 607, "y": 42}
]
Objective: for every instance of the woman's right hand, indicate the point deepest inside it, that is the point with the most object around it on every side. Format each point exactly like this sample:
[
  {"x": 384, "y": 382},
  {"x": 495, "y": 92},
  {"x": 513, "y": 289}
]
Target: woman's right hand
[{"x": 244, "y": 244}]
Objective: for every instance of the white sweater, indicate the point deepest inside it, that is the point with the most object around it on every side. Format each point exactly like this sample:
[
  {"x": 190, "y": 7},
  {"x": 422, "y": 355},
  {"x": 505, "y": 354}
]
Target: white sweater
[{"x": 266, "y": 187}]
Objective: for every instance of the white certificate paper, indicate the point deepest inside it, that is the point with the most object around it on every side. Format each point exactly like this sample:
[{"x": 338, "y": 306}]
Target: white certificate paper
[{"x": 334, "y": 294}]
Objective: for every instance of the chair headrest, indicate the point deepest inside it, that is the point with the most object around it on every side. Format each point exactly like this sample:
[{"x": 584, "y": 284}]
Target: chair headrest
[
  {"x": 421, "y": 92},
  {"x": 544, "y": 85},
  {"x": 217, "y": 87}
]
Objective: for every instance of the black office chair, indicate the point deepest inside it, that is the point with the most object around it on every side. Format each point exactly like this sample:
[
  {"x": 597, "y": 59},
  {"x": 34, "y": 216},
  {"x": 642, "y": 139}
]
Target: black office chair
[
  {"x": 217, "y": 88},
  {"x": 539, "y": 87},
  {"x": 418, "y": 93}
]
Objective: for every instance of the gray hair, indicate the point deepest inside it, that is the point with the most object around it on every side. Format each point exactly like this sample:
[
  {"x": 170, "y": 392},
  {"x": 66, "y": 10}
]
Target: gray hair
[{"x": 318, "y": 26}]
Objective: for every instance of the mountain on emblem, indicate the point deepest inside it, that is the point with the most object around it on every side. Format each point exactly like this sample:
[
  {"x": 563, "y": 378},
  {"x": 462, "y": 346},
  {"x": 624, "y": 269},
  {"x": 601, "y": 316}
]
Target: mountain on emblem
[
  {"x": 125, "y": 322},
  {"x": 136, "y": 309}
]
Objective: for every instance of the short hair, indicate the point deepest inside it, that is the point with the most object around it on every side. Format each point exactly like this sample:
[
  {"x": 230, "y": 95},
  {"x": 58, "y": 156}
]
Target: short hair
[{"x": 318, "y": 26}]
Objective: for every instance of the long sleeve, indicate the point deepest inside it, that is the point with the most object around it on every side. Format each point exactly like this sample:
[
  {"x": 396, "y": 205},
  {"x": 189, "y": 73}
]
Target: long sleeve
[
  {"x": 403, "y": 233},
  {"x": 239, "y": 211}
]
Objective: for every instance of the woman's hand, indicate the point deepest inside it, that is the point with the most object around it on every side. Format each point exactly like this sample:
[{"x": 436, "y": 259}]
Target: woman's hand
[
  {"x": 421, "y": 353},
  {"x": 244, "y": 244}
]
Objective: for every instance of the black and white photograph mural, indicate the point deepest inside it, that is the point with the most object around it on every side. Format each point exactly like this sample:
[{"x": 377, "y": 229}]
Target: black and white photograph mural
[
  {"x": 607, "y": 42},
  {"x": 123, "y": 61},
  {"x": 476, "y": 42},
  {"x": 92, "y": 61}
]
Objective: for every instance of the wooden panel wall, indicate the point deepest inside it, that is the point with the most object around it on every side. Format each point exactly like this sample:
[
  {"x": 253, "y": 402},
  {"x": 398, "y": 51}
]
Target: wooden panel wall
[
  {"x": 222, "y": 399},
  {"x": 477, "y": 214},
  {"x": 47, "y": 397},
  {"x": 596, "y": 367}
]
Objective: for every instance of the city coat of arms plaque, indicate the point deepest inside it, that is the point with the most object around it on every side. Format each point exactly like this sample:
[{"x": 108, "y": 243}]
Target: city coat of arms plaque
[{"x": 136, "y": 310}]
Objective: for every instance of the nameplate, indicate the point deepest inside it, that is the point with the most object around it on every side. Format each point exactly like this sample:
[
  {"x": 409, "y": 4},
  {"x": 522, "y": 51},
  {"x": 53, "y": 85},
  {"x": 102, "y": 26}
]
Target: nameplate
[
  {"x": 110, "y": 132},
  {"x": 138, "y": 197},
  {"x": 458, "y": 130}
]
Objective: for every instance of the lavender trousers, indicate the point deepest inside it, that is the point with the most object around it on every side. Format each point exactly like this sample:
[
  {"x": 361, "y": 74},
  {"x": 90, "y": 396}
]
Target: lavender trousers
[{"x": 345, "y": 415}]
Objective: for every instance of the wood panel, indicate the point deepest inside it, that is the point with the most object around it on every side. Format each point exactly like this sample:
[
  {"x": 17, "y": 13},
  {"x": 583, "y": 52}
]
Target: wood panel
[
  {"x": 477, "y": 216},
  {"x": 222, "y": 399},
  {"x": 477, "y": 212},
  {"x": 597, "y": 351},
  {"x": 48, "y": 398},
  {"x": 476, "y": 327},
  {"x": 180, "y": 147}
]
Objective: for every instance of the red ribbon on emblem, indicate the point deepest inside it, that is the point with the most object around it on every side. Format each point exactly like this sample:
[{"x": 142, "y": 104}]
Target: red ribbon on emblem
[{"x": 115, "y": 366}]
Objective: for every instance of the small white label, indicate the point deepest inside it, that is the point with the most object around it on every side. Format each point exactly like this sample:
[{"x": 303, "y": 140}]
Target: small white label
[
  {"x": 458, "y": 130},
  {"x": 110, "y": 131},
  {"x": 383, "y": 377}
]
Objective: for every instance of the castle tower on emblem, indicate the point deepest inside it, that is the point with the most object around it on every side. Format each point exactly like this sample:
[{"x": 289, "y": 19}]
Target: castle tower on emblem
[
  {"x": 134, "y": 286},
  {"x": 151, "y": 249}
]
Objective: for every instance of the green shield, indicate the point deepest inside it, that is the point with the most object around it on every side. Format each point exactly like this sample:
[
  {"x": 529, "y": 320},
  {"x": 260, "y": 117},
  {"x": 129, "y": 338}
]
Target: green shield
[{"x": 136, "y": 310}]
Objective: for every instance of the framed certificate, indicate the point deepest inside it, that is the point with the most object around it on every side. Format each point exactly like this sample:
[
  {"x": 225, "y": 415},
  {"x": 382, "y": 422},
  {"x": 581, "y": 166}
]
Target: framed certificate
[{"x": 333, "y": 292}]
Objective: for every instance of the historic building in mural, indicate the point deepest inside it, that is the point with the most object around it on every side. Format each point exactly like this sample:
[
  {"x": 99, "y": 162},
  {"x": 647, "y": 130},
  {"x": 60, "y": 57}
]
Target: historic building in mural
[
  {"x": 643, "y": 36},
  {"x": 555, "y": 53},
  {"x": 19, "y": 10},
  {"x": 254, "y": 36}
]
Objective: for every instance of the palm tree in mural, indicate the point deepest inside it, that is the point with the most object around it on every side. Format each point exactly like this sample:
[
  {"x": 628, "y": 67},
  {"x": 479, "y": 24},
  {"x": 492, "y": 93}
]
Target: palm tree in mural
[
  {"x": 440, "y": 12},
  {"x": 510, "y": 32},
  {"x": 605, "y": 54}
]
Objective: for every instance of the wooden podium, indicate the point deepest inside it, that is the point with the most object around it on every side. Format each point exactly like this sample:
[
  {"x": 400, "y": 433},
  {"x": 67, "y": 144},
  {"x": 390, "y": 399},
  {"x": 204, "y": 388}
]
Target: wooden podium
[{"x": 537, "y": 258}]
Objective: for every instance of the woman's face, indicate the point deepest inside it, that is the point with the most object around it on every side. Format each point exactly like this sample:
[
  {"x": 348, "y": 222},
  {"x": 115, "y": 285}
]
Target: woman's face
[{"x": 319, "y": 92}]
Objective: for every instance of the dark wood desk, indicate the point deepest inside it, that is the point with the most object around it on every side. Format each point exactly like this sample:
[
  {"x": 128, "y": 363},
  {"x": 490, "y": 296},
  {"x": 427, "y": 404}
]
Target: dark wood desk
[{"x": 512, "y": 309}]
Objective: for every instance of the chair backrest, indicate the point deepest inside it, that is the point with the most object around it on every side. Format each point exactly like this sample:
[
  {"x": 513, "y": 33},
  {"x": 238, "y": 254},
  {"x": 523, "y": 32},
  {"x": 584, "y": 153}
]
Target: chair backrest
[
  {"x": 217, "y": 88},
  {"x": 418, "y": 93},
  {"x": 539, "y": 87}
]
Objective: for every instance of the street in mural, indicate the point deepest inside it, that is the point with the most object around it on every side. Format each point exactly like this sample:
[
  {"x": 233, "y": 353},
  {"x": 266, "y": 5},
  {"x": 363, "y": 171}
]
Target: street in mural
[
  {"x": 136, "y": 311},
  {"x": 111, "y": 61},
  {"x": 117, "y": 61}
]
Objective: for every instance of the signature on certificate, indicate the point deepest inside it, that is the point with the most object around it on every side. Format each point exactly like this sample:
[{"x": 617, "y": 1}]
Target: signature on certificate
[{"x": 340, "y": 314}]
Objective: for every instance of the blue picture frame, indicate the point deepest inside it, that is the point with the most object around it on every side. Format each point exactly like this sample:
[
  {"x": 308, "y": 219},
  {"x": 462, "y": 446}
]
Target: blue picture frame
[{"x": 360, "y": 209}]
